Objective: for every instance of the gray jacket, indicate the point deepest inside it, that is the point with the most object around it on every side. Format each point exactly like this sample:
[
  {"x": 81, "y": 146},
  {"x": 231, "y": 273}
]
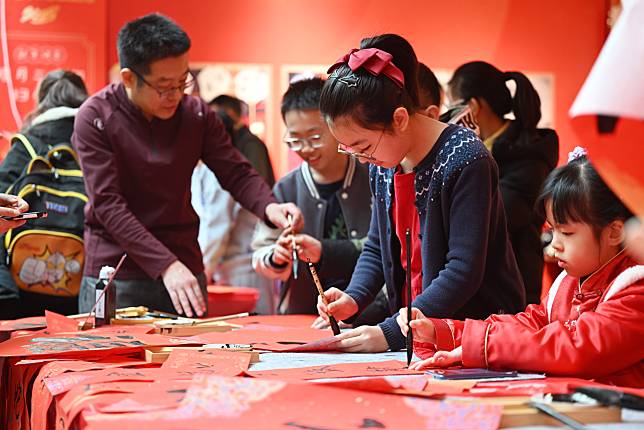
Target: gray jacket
[{"x": 338, "y": 256}]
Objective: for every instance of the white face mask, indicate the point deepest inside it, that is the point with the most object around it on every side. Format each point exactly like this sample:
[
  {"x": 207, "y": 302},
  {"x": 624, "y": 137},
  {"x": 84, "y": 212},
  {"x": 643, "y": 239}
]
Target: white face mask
[{"x": 462, "y": 115}]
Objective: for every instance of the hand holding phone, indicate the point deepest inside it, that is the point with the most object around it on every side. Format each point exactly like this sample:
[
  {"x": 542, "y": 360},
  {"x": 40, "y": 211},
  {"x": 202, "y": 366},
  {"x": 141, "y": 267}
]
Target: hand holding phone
[{"x": 25, "y": 216}]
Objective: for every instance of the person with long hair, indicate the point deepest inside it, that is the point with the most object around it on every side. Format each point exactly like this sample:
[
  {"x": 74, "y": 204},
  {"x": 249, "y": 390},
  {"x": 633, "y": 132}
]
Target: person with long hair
[
  {"x": 431, "y": 182},
  {"x": 525, "y": 154}
]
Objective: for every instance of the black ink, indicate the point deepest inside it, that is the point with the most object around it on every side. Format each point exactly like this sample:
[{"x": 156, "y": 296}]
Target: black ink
[
  {"x": 370, "y": 423},
  {"x": 305, "y": 427}
]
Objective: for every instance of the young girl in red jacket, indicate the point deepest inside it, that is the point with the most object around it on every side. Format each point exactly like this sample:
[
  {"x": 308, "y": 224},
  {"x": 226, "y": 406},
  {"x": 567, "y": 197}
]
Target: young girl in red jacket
[{"x": 590, "y": 323}]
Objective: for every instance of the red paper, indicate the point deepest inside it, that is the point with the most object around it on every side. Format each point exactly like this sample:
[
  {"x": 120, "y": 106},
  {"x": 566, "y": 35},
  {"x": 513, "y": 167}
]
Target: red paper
[
  {"x": 264, "y": 335},
  {"x": 57, "y": 323},
  {"x": 187, "y": 362},
  {"x": 42, "y": 397},
  {"x": 157, "y": 396},
  {"x": 9, "y": 326},
  {"x": 294, "y": 321},
  {"x": 326, "y": 344},
  {"x": 344, "y": 370},
  {"x": 246, "y": 403},
  {"x": 103, "y": 341},
  {"x": 412, "y": 383}
]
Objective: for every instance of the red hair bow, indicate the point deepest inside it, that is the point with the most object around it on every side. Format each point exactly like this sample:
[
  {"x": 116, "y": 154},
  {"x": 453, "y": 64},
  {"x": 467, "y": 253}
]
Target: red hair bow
[{"x": 373, "y": 60}]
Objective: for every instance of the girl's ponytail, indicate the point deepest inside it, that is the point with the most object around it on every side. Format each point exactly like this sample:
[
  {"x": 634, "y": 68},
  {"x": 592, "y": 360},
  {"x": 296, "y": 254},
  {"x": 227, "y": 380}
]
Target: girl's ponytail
[{"x": 526, "y": 103}]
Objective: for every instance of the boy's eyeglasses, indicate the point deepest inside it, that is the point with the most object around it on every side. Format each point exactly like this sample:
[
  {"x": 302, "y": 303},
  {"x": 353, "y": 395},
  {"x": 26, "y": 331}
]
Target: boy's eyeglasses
[
  {"x": 362, "y": 155},
  {"x": 297, "y": 143},
  {"x": 186, "y": 87}
]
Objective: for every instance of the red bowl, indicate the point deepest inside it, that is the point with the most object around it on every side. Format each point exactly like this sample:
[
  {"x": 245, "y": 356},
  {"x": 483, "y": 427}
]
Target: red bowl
[{"x": 223, "y": 300}]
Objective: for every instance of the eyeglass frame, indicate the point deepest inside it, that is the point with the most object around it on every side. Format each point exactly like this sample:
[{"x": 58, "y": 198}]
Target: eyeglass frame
[
  {"x": 190, "y": 81},
  {"x": 290, "y": 140},
  {"x": 362, "y": 155}
]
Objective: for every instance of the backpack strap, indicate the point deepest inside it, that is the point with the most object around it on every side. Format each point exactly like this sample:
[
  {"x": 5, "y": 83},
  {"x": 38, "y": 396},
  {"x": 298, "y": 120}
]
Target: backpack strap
[
  {"x": 39, "y": 163},
  {"x": 25, "y": 142},
  {"x": 63, "y": 157}
]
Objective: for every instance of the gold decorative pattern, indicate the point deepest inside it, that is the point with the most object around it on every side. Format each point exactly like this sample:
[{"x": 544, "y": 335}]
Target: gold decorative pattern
[{"x": 39, "y": 16}]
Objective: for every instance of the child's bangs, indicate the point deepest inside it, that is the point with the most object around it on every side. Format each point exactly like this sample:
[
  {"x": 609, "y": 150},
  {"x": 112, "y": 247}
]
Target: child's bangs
[{"x": 568, "y": 204}]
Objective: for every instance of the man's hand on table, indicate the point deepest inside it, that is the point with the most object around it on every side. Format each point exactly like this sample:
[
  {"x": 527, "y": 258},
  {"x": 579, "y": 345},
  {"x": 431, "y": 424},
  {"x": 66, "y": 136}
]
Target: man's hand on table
[{"x": 184, "y": 289}]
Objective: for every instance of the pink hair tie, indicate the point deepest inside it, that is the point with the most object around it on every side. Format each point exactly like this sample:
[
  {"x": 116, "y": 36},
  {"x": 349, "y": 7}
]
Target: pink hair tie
[
  {"x": 577, "y": 153},
  {"x": 373, "y": 60}
]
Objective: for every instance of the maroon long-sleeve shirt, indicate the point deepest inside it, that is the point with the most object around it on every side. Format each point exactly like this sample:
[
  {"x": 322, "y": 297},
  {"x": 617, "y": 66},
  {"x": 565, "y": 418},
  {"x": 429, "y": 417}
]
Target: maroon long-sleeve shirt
[{"x": 137, "y": 174}]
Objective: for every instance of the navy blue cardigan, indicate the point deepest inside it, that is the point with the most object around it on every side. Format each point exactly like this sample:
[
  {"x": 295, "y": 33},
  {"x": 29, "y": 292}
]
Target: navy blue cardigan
[{"x": 469, "y": 269}]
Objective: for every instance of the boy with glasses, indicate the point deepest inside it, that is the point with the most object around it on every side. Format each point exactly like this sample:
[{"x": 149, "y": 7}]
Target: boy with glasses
[
  {"x": 138, "y": 143},
  {"x": 332, "y": 190}
]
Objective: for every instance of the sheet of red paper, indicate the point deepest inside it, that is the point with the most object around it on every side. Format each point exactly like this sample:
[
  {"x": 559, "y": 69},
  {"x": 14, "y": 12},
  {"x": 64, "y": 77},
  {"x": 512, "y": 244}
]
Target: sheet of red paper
[
  {"x": 9, "y": 326},
  {"x": 69, "y": 404},
  {"x": 269, "y": 404},
  {"x": 294, "y": 321},
  {"x": 260, "y": 334},
  {"x": 326, "y": 344},
  {"x": 552, "y": 385},
  {"x": 344, "y": 370},
  {"x": 57, "y": 323},
  {"x": 410, "y": 384},
  {"x": 156, "y": 396},
  {"x": 15, "y": 405},
  {"x": 41, "y": 397},
  {"x": 15, "y": 394},
  {"x": 108, "y": 340},
  {"x": 186, "y": 363},
  {"x": 129, "y": 389}
]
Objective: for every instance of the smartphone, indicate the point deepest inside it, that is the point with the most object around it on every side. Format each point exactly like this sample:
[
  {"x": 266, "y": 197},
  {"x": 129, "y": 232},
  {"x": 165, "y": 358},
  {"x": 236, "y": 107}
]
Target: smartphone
[
  {"x": 26, "y": 215},
  {"x": 451, "y": 374}
]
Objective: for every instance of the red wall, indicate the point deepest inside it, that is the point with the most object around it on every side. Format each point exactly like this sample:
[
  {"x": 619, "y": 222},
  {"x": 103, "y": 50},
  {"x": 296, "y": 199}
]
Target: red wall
[
  {"x": 42, "y": 36},
  {"x": 550, "y": 36}
]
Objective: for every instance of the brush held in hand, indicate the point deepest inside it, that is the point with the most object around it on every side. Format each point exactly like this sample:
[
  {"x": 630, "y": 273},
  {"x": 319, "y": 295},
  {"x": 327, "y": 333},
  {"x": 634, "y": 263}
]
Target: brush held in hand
[
  {"x": 410, "y": 335},
  {"x": 316, "y": 280},
  {"x": 293, "y": 247}
]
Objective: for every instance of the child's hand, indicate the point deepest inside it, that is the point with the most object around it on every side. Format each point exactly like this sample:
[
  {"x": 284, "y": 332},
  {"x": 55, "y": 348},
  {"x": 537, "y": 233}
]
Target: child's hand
[
  {"x": 308, "y": 248},
  {"x": 321, "y": 323},
  {"x": 282, "y": 250},
  {"x": 422, "y": 328},
  {"x": 365, "y": 338},
  {"x": 440, "y": 359},
  {"x": 341, "y": 305}
]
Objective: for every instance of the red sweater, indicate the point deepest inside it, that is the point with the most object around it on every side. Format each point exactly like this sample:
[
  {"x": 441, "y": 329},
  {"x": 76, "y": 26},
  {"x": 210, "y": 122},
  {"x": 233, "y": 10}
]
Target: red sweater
[
  {"x": 593, "y": 330},
  {"x": 137, "y": 175}
]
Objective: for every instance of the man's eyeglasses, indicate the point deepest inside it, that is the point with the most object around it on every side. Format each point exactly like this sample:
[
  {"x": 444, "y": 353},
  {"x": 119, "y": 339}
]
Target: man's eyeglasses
[
  {"x": 362, "y": 155},
  {"x": 186, "y": 87},
  {"x": 297, "y": 143}
]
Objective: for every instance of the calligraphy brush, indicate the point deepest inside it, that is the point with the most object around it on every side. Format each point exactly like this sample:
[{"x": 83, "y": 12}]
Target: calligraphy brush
[
  {"x": 314, "y": 274},
  {"x": 108, "y": 285},
  {"x": 293, "y": 247},
  {"x": 410, "y": 335}
]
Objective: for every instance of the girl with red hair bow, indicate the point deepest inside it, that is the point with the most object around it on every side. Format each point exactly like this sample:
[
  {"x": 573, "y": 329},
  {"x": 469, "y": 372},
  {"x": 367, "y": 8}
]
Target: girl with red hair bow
[{"x": 432, "y": 182}]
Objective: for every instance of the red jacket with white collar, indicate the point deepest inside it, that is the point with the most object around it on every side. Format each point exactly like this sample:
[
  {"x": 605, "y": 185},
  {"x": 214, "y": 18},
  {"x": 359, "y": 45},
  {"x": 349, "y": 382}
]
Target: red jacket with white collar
[{"x": 592, "y": 330}]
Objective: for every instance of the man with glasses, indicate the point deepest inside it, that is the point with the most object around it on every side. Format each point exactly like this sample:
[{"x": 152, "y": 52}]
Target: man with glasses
[
  {"x": 333, "y": 192},
  {"x": 138, "y": 143}
]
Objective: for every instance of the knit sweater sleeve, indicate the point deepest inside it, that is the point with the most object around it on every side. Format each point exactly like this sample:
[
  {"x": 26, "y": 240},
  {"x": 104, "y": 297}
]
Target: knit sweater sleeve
[
  {"x": 469, "y": 202},
  {"x": 368, "y": 276}
]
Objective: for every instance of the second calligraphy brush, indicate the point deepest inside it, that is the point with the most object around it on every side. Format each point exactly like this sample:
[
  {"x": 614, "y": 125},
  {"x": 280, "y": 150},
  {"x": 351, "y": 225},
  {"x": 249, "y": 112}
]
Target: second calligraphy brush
[
  {"x": 410, "y": 335},
  {"x": 293, "y": 247},
  {"x": 334, "y": 323}
]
